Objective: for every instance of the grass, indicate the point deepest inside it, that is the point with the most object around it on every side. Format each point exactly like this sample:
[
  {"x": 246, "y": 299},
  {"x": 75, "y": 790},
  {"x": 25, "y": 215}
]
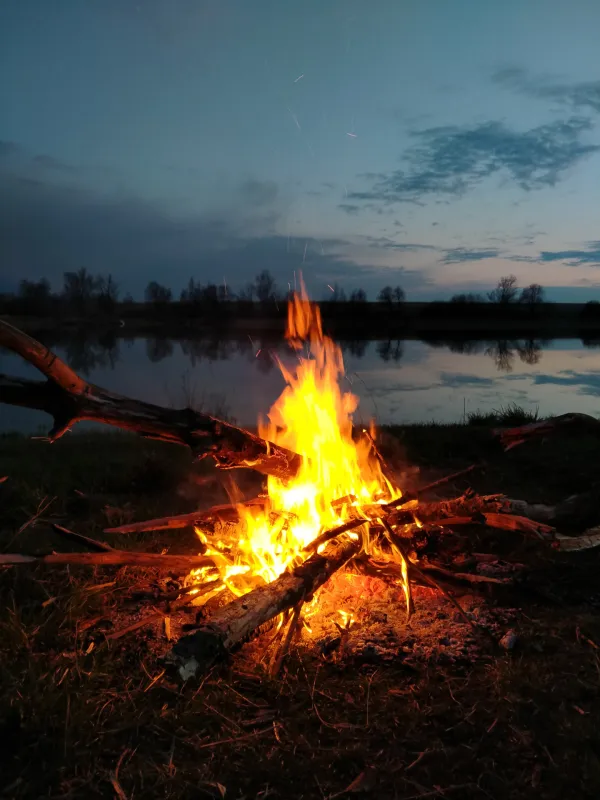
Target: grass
[
  {"x": 98, "y": 721},
  {"x": 508, "y": 416}
]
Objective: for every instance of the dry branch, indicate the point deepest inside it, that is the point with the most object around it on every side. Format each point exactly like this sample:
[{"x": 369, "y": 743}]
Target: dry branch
[
  {"x": 69, "y": 399},
  {"x": 573, "y": 423},
  {"x": 222, "y": 513},
  {"x": 234, "y": 623},
  {"x": 112, "y": 558}
]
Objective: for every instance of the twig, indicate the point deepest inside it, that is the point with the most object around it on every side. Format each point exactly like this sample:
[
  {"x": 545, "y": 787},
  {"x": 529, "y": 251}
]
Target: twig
[
  {"x": 93, "y": 544},
  {"x": 398, "y": 548},
  {"x": 45, "y": 503},
  {"x": 285, "y": 645}
]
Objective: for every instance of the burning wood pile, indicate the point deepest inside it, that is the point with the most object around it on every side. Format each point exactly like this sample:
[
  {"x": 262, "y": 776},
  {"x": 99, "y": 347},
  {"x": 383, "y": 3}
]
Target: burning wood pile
[{"x": 331, "y": 502}]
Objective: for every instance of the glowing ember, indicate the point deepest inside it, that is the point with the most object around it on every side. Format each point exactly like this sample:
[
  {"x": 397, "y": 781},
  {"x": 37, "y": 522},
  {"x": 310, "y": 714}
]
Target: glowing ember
[{"x": 312, "y": 417}]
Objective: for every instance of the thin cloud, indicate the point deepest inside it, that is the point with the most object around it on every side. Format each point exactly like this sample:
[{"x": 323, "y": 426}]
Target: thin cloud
[
  {"x": 574, "y": 258},
  {"x": 452, "y": 160},
  {"x": 580, "y": 96},
  {"x": 458, "y": 255},
  {"x": 51, "y": 163},
  {"x": 259, "y": 193}
]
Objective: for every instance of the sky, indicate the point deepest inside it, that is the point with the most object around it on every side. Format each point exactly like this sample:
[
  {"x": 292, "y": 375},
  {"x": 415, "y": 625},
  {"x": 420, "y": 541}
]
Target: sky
[{"x": 421, "y": 143}]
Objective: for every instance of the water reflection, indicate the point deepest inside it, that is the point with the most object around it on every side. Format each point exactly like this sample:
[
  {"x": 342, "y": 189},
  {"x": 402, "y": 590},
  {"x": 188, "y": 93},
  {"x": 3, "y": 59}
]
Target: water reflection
[{"x": 396, "y": 380}]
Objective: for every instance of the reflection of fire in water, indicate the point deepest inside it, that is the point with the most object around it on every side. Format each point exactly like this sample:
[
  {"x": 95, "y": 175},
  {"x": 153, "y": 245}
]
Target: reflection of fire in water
[{"x": 312, "y": 417}]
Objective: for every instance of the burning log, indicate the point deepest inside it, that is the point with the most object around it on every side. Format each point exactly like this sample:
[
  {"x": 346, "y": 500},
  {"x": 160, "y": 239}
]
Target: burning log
[
  {"x": 221, "y": 513},
  {"x": 236, "y": 622},
  {"x": 70, "y": 399}
]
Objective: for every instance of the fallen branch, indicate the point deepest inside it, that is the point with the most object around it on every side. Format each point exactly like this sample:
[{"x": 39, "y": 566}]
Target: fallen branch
[
  {"x": 111, "y": 558},
  {"x": 234, "y": 623},
  {"x": 70, "y": 399},
  {"x": 572, "y": 422}
]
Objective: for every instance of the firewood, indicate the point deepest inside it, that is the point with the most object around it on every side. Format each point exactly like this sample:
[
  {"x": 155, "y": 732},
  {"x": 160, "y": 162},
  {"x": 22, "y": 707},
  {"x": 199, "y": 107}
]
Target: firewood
[
  {"x": 69, "y": 399},
  {"x": 234, "y": 623},
  {"x": 222, "y": 513},
  {"x": 111, "y": 558}
]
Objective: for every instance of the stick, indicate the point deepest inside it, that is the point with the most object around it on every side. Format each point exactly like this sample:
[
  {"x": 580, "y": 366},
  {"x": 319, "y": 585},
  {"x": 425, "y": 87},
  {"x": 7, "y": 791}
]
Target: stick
[
  {"x": 69, "y": 399},
  {"x": 234, "y": 623},
  {"x": 224, "y": 513},
  {"x": 398, "y": 548},
  {"x": 285, "y": 645},
  {"x": 111, "y": 558},
  {"x": 93, "y": 544}
]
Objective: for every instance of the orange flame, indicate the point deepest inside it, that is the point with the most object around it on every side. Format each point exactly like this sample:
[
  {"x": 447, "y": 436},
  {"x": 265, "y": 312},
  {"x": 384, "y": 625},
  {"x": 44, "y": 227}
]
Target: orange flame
[{"x": 312, "y": 417}]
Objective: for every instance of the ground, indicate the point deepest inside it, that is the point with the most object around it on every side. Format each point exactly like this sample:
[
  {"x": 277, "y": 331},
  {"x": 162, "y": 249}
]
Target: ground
[{"x": 82, "y": 716}]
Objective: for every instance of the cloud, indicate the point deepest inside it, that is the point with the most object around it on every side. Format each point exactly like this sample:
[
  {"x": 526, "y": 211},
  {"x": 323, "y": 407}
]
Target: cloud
[
  {"x": 586, "y": 383},
  {"x": 458, "y": 255},
  {"x": 259, "y": 193},
  {"x": 47, "y": 229},
  {"x": 573, "y": 258},
  {"x": 582, "y": 96},
  {"x": 456, "y": 381},
  {"x": 349, "y": 208},
  {"x": 51, "y": 163},
  {"x": 452, "y": 160}
]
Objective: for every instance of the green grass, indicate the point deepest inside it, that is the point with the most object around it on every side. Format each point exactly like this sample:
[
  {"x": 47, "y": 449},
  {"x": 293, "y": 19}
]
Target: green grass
[{"x": 513, "y": 725}]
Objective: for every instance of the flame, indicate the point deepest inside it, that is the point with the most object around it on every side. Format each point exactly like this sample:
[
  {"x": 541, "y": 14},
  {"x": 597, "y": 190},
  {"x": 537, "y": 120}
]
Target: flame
[{"x": 312, "y": 417}]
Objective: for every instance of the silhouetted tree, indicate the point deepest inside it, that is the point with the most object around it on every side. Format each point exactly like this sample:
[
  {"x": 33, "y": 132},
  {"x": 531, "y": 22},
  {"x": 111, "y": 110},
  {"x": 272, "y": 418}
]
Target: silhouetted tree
[
  {"x": 158, "y": 295},
  {"x": 532, "y": 296},
  {"x": 467, "y": 297},
  {"x": 79, "y": 289},
  {"x": 108, "y": 294},
  {"x": 35, "y": 297},
  {"x": 264, "y": 286},
  {"x": 358, "y": 296},
  {"x": 337, "y": 294},
  {"x": 506, "y": 291},
  {"x": 392, "y": 295}
]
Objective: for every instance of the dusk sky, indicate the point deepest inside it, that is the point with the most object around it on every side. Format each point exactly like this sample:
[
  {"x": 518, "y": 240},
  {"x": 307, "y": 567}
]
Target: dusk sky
[{"x": 433, "y": 144}]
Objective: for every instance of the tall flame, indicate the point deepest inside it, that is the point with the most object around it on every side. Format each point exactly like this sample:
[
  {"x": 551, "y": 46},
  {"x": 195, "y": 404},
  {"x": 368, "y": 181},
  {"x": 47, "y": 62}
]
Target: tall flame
[{"x": 312, "y": 417}]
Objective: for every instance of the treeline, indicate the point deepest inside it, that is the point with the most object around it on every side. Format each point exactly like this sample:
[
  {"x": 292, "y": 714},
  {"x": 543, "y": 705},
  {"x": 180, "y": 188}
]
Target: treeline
[{"x": 85, "y": 295}]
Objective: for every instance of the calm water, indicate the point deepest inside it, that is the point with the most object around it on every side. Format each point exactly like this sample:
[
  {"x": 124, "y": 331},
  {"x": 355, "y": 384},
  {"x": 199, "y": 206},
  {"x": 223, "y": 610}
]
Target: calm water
[{"x": 397, "y": 382}]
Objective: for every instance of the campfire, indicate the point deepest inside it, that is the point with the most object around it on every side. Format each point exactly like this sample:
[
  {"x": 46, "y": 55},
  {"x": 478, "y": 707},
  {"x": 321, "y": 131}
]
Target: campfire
[{"x": 331, "y": 504}]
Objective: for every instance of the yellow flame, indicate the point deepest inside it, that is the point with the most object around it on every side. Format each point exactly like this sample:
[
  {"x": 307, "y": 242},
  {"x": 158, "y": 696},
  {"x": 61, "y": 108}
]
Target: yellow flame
[{"x": 312, "y": 417}]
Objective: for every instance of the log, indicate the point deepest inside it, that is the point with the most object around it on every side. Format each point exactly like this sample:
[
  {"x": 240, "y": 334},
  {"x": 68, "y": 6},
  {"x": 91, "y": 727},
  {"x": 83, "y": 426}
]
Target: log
[
  {"x": 231, "y": 625},
  {"x": 69, "y": 399},
  {"x": 110, "y": 558},
  {"x": 572, "y": 423},
  {"x": 222, "y": 513}
]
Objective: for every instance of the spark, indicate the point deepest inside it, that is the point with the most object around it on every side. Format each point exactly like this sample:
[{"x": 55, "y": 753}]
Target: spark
[
  {"x": 352, "y": 135},
  {"x": 330, "y": 287},
  {"x": 305, "y": 246},
  {"x": 295, "y": 118},
  {"x": 299, "y": 78},
  {"x": 258, "y": 352}
]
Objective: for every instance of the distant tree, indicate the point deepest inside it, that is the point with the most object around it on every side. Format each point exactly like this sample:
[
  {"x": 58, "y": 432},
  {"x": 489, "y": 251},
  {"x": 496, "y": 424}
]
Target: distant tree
[
  {"x": 108, "y": 293},
  {"x": 35, "y": 297},
  {"x": 358, "y": 296},
  {"x": 246, "y": 295},
  {"x": 158, "y": 295},
  {"x": 265, "y": 287},
  {"x": 337, "y": 294},
  {"x": 128, "y": 299},
  {"x": 79, "y": 289},
  {"x": 467, "y": 297},
  {"x": 532, "y": 295},
  {"x": 392, "y": 296},
  {"x": 506, "y": 291}
]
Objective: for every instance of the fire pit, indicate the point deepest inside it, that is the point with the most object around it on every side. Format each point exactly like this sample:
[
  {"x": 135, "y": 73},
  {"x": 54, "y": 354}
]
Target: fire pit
[{"x": 332, "y": 507}]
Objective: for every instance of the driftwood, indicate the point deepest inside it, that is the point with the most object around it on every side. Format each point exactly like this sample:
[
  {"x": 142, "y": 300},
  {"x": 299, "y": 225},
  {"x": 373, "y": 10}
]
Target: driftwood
[
  {"x": 69, "y": 399},
  {"x": 572, "y": 423},
  {"x": 234, "y": 623}
]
